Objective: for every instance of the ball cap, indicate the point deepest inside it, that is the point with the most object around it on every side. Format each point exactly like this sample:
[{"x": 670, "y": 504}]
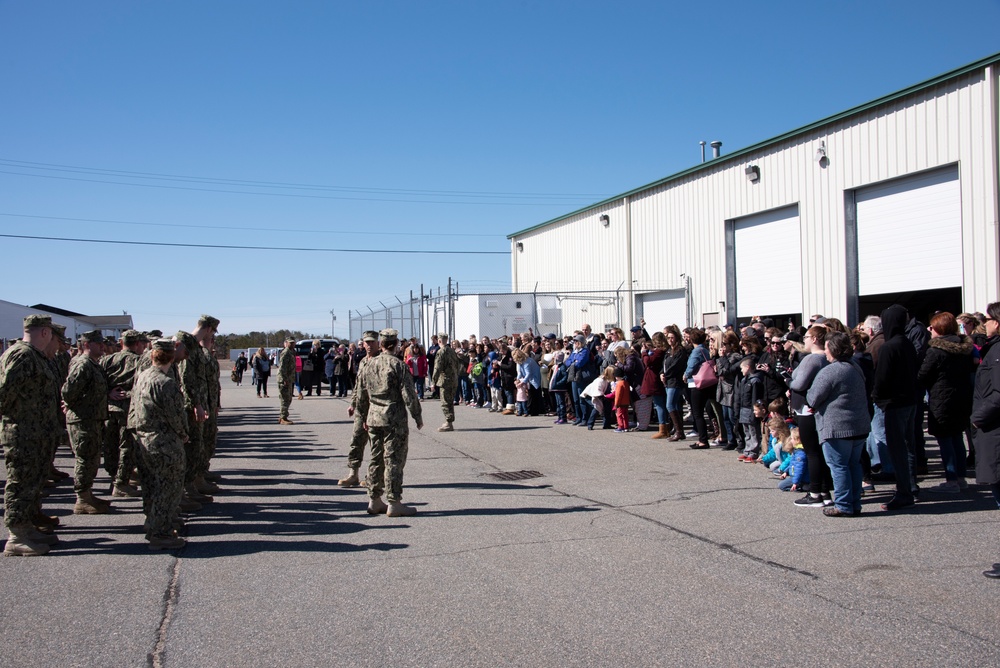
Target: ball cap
[
  {"x": 209, "y": 321},
  {"x": 38, "y": 320},
  {"x": 93, "y": 336},
  {"x": 389, "y": 335}
]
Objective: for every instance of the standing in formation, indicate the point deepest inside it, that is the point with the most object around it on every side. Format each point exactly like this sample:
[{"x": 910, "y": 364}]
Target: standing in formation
[
  {"x": 30, "y": 408},
  {"x": 445, "y": 379},
  {"x": 85, "y": 395},
  {"x": 359, "y": 436},
  {"x": 286, "y": 379},
  {"x": 385, "y": 392},
  {"x": 119, "y": 443}
]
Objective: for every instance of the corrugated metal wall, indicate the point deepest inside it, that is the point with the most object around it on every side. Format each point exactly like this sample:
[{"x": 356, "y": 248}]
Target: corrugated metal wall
[{"x": 679, "y": 227}]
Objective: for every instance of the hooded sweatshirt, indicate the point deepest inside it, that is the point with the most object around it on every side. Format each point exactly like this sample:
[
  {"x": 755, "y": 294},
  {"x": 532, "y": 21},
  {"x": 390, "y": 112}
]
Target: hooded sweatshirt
[{"x": 896, "y": 371}]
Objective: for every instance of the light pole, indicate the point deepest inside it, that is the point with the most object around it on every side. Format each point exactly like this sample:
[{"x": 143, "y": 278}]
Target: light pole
[{"x": 333, "y": 324}]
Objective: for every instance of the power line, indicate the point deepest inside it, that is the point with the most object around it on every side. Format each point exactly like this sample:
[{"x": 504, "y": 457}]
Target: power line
[
  {"x": 262, "y": 248},
  {"x": 365, "y": 231},
  {"x": 279, "y": 184}
]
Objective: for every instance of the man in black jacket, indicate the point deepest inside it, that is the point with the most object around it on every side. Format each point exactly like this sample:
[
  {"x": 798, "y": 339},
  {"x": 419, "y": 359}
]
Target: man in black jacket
[{"x": 895, "y": 393}]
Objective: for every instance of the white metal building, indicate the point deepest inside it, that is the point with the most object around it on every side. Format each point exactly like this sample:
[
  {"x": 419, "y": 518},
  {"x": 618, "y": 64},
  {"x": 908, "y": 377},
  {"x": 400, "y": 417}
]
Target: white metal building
[{"x": 892, "y": 201}]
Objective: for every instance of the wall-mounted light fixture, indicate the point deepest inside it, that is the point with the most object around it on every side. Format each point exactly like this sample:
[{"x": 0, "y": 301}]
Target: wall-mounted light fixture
[
  {"x": 520, "y": 246},
  {"x": 605, "y": 220},
  {"x": 753, "y": 173},
  {"x": 821, "y": 152}
]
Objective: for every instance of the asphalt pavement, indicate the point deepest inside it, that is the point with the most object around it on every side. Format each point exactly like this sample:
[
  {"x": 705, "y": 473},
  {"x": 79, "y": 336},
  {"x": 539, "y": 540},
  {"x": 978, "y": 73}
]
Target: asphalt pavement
[{"x": 590, "y": 548}]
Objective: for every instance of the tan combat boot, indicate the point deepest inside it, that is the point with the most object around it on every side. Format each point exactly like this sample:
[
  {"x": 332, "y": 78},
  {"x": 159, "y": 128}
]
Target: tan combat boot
[
  {"x": 376, "y": 506},
  {"x": 397, "y": 509},
  {"x": 351, "y": 480},
  {"x": 88, "y": 504},
  {"x": 192, "y": 493},
  {"x": 284, "y": 421},
  {"x": 125, "y": 491},
  {"x": 20, "y": 543},
  {"x": 447, "y": 426},
  {"x": 204, "y": 486}
]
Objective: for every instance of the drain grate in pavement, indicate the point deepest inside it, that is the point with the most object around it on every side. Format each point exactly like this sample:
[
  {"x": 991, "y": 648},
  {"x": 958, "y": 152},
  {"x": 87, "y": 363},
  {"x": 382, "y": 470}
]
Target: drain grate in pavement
[{"x": 515, "y": 475}]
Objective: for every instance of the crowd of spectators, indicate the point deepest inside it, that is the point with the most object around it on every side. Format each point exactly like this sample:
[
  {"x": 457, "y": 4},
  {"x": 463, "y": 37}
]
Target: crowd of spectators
[{"x": 830, "y": 411}]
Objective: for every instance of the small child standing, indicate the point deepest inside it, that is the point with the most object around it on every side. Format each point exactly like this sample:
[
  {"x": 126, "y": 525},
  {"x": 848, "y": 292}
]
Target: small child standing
[
  {"x": 622, "y": 400},
  {"x": 522, "y": 397},
  {"x": 752, "y": 407}
]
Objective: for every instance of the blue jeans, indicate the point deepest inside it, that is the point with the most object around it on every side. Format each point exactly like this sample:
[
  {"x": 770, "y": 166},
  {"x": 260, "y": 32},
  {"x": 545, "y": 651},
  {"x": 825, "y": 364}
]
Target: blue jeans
[
  {"x": 560, "y": 404},
  {"x": 660, "y": 405},
  {"x": 418, "y": 384},
  {"x": 899, "y": 439},
  {"x": 727, "y": 418},
  {"x": 579, "y": 402},
  {"x": 674, "y": 399},
  {"x": 952, "y": 455},
  {"x": 843, "y": 456},
  {"x": 877, "y": 449}
]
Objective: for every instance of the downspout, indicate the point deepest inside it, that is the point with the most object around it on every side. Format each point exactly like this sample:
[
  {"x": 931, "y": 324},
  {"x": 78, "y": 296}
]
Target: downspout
[
  {"x": 628, "y": 261},
  {"x": 991, "y": 84}
]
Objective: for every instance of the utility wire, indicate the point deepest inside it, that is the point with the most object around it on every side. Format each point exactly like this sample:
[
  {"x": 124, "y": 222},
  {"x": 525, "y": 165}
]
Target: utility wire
[
  {"x": 261, "y": 248},
  {"x": 364, "y": 231},
  {"x": 279, "y": 184}
]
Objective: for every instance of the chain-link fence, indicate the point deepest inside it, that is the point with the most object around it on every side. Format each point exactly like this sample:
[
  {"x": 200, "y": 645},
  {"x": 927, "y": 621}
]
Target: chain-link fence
[{"x": 502, "y": 314}]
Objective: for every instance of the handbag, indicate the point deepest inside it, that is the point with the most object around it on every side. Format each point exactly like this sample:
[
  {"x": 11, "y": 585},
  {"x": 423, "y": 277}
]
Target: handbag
[
  {"x": 234, "y": 376},
  {"x": 705, "y": 376},
  {"x": 307, "y": 365}
]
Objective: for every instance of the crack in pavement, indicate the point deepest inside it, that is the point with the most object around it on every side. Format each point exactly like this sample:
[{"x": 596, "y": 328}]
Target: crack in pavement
[{"x": 155, "y": 658}]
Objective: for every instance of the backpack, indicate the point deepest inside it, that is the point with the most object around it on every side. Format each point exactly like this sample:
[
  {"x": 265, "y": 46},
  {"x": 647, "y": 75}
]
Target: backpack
[
  {"x": 264, "y": 364},
  {"x": 477, "y": 370}
]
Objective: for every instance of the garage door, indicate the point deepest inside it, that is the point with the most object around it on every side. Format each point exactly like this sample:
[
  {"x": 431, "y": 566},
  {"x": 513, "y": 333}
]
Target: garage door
[
  {"x": 910, "y": 234},
  {"x": 663, "y": 308},
  {"x": 768, "y": 264}
]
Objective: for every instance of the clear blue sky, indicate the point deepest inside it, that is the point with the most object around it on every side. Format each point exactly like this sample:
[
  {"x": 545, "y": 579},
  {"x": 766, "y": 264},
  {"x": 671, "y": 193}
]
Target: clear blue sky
[{"x": 389, "y": 125}]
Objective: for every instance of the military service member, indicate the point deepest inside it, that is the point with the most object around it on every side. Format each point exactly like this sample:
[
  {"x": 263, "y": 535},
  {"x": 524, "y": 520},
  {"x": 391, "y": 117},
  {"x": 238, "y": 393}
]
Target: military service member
[
  {"x": 446, "y": 369},
  {"x": 157, "y": 416},
  {"x": 119, "y": 443},
  {"x": 385, "y": 392},
  {"x": 29, "y": 406},
  {"x": 207, "y": 328},
  {"x": 195, "y": 386},
  {"x": 359, "y": 437},
  {"x": 286, "y": 379},
  {"x": 85, "y": 395}
]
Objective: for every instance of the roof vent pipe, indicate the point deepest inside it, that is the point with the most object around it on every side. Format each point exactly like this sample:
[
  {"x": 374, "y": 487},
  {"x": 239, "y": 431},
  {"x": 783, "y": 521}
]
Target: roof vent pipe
[
  {"x": 702, "y": 150},
  {"x": 716, "y": 146}
]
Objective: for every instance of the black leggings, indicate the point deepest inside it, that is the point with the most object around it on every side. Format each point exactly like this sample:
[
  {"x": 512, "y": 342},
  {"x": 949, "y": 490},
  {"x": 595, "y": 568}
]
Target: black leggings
[
  {"x": 820, "y": 479},
  {"x": 261, "y": 384},
  {"x": 699, "y": 399}
]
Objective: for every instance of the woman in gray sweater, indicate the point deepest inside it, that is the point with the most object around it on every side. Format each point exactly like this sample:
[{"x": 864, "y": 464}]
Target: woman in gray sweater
[
  {"x": 837, "y": 395},
  {"x": 820, "y": 480}
]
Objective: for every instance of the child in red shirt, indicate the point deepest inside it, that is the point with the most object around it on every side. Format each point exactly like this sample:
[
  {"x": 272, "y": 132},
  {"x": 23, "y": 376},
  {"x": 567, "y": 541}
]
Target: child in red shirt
[{"x": 621, "y": 400}]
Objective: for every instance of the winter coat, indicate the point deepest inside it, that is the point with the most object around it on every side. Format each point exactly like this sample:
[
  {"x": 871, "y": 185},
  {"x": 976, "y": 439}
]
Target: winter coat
[
  {"x": 673, "y": 367},
  {"x": 727, "y": 367},
  {"x": 774, "y": 383},
  {"x": 947, "y": 373},
  {"x": 986, "y": 414},
  {"x": 508, "y": 373},
  {"x": 560, "y": 382},
  {"x": 750, "y": 389},
  {"x": 651, "y": 384},
  {"x": 896, "y": 371},
  {"x": 634, "y": 372}
]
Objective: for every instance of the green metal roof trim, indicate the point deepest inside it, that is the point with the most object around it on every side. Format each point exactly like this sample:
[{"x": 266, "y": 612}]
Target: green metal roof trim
[{"x": 972, "y": 67}]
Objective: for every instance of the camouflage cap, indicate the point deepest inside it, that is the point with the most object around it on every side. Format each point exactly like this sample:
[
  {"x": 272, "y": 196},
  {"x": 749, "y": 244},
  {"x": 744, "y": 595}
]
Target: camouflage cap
[
  {"x": 59, "y": 329},
  {"x": 166, "y": 345},
  {"x": 130, "y": 336},
  {"x": 93, "y": 336},
  {"x": 209, "y": 321},
  {"x": 38, "y": 320},
  {"x": 155, "y": 334},
  {"x": 370, "y": 335},
  {"x": 388, "y": 335},
  {"x": 289, "y": 338}
]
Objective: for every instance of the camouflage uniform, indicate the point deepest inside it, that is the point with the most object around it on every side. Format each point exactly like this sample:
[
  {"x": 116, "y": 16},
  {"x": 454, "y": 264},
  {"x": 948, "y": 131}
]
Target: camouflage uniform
[
  {"x": 194, "y": 384},
  {"x": 119, "y": 442},
  {"x": 210, "y": 428},
  {"x": 30, "y": 424},
  {"x": 157, "y": 416},
  {"x": 85, "y": 393},
  {"x": 446, "y": 369},
  {"x": 359, "y": 437},
  {"x": 286, "y": 380},
  {"x": 385, "y": 392}
]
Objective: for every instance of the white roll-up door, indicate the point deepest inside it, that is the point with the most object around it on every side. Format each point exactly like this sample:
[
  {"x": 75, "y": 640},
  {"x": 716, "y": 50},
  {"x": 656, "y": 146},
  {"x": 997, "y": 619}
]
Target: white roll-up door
[
  {"x": 660, "y": 309},
  {"x": 768, "y": 263},
  {"x": 910, "y": 234}
]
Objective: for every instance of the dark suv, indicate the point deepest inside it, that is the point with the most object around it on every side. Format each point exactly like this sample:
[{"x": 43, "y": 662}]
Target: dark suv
[{"x": 303, "y": 347}]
